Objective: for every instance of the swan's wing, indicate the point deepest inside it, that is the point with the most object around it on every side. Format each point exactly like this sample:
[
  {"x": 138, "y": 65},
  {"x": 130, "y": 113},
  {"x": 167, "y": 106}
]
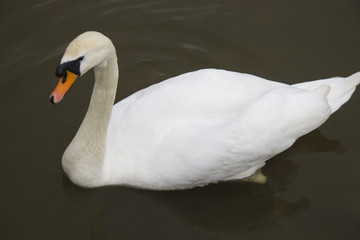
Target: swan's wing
[
  {"x": 140, "y": 122},
  {"x": 145, "y": 117},
  {"x": 205, "y": 151},
  {"x": 207, "y": 93},
  {"x": 212, "y": 122}
]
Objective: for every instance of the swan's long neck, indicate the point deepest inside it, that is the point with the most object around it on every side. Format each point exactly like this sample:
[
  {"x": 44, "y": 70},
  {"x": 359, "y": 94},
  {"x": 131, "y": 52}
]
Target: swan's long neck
[{"x": 83, "y": 159}]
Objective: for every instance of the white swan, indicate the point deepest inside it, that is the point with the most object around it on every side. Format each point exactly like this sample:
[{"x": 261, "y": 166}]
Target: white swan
[{"x": 191, "y": 130}]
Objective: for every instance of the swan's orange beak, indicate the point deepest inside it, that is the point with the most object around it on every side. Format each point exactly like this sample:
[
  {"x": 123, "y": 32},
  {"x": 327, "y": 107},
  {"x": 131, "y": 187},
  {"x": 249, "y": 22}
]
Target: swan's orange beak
[{"x": 62, "y": 87}]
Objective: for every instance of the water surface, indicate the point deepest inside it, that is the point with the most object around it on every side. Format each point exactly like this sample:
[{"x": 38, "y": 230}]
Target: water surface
[{"x": 313, "y": 190}]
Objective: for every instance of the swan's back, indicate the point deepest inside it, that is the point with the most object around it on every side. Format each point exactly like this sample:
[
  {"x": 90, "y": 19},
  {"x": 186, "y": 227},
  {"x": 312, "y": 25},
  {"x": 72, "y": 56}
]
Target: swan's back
[
  {"x": 140, "y": 122},
  {"x": 156, "y": 130}
]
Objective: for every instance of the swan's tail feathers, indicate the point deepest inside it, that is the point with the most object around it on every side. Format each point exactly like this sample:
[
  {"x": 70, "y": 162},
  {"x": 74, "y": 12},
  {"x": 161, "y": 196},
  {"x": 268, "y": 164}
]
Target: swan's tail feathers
[
  {"x": 341, "y": 89},
  {"x": 354, "y": 79}
]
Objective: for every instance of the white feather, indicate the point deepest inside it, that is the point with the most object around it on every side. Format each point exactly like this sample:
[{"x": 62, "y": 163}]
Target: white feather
[{"x": 194, "y": 129}]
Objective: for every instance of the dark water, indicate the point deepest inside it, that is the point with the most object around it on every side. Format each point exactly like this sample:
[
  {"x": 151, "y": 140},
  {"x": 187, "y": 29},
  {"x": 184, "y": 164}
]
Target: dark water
[{"x": 313, "y": 190}]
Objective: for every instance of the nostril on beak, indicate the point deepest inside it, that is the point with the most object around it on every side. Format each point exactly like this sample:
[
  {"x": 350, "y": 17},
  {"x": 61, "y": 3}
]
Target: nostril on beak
[{"x": 52, "y": 100}]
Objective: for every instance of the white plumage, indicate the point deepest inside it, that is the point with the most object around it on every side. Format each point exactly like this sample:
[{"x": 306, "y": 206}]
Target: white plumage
[{"x": 191, "y": 130}]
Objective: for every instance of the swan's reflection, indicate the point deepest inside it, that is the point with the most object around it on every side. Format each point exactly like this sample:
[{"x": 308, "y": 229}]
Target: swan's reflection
[
  {"x": 281, "y": 169},
  {"x": 89, "y": 204},
  {"x": 235, "y": 209}
]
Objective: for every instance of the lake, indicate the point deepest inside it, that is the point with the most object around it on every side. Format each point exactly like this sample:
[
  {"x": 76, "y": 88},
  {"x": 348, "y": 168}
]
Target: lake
[{"x": 313, "y": 189}]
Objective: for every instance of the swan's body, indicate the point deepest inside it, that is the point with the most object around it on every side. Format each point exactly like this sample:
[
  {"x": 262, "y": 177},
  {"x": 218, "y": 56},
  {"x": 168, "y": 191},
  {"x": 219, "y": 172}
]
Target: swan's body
[{"x": 191, "y": 130}]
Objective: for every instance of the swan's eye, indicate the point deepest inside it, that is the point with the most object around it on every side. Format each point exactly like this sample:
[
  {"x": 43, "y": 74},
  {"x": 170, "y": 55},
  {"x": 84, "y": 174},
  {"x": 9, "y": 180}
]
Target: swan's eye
[
  {"x": 64, "y": 77},
  {"x": 71, "y": 66}
]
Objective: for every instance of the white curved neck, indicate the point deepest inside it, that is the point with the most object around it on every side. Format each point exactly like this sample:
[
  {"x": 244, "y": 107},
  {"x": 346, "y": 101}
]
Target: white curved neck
[{"x": 84, "y": 157}]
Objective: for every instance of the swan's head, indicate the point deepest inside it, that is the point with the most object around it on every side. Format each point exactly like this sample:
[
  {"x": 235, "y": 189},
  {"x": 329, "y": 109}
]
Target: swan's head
[{"x": 88, "y": 50}]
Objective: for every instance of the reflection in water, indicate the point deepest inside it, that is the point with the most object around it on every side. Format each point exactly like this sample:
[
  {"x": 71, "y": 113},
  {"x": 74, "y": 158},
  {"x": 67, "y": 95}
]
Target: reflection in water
[
  {"x": 156, "y": 40},
  {"x": 281, "y": 169},
  {"x": 317, "y": 142},
  {"x": 232, "y": 208},
  {"x": 89, "y": 204}
]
